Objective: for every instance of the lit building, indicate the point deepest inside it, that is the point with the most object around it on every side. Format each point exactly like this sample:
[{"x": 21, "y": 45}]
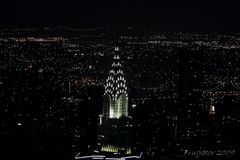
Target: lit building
[
  {"x": 115, "y": 128},
  {"x": 115, "y": 96}
]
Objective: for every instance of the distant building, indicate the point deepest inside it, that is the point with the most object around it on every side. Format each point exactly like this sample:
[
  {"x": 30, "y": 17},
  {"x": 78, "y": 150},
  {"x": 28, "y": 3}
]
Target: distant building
[{"x": 222, "y": 104}]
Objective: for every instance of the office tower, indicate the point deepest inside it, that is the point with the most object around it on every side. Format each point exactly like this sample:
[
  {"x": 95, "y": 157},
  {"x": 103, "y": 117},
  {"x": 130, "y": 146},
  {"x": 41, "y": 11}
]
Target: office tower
[{"x": 115, "y": 128}]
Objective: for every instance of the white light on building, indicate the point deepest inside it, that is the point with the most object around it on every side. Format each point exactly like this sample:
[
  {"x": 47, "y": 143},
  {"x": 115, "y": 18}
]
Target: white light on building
[{"x": 116, "y": 96}]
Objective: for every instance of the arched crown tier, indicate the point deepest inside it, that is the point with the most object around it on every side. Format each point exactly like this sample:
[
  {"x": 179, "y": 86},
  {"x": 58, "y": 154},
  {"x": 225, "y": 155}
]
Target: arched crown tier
[{"x": 116, "y": 90}]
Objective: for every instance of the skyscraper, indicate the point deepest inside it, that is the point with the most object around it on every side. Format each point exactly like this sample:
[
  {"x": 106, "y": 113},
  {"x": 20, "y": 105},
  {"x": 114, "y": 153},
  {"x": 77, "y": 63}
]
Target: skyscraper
[
  {"x": 115, "y": 128},
  {"x": 115, "y": 96}
]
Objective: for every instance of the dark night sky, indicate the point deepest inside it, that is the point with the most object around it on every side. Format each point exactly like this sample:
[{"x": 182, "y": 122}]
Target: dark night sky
[{"x": 179, "y": 15}]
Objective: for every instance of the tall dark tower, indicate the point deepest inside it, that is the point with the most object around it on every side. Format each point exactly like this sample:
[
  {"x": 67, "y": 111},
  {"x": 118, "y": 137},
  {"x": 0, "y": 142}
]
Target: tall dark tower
[
  {"x": 115, "y": 128},
  {"x": 190, "y": 110}
]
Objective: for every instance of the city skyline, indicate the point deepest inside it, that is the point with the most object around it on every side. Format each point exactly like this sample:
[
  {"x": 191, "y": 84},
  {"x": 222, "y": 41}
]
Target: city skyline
[
  {"x": 183, "y": 93},
  {"x": 119, "y": 80}
]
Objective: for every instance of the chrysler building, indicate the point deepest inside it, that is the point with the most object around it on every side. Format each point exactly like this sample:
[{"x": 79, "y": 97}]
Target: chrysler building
[{"x": 116, "y": 96}]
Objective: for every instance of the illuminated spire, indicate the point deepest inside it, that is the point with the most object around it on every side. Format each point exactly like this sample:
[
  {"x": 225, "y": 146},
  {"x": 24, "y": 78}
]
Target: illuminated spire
[{"x": 116, "y": 96}]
